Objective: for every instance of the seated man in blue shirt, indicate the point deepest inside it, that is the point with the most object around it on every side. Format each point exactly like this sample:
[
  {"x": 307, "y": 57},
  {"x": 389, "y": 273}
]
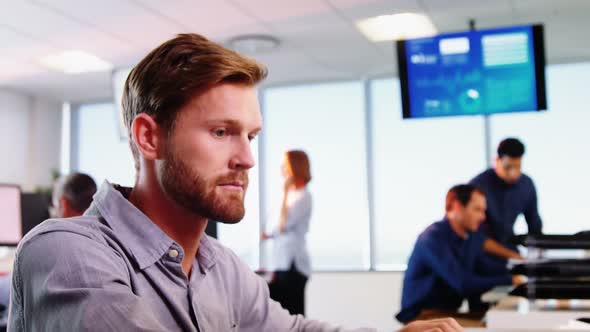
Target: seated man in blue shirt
[
  {"x": 448, "y": 264},
  {"x": 509, "y": 193}
]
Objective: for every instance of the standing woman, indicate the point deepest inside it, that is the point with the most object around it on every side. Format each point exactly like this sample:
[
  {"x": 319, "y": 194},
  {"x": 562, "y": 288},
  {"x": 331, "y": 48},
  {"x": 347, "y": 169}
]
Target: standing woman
[{"x": 291, "y": 258}]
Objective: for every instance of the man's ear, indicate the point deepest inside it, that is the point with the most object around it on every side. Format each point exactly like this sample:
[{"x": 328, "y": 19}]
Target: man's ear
[
  {"x": 147, "y": 136},
  {"x": 457, "y": 205},
  {"x": 65, "y": 209},
  {"x": 68, "y": 210}
]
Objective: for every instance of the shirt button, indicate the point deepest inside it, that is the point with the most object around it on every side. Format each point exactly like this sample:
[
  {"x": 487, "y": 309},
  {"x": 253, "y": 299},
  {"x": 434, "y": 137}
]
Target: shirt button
[{"x": 173, "y": 253}]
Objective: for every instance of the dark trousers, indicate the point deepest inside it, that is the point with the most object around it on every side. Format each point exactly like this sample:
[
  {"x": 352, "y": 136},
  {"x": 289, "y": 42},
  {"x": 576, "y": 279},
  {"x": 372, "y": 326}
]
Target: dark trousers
[{"x": 288, "y": 288}]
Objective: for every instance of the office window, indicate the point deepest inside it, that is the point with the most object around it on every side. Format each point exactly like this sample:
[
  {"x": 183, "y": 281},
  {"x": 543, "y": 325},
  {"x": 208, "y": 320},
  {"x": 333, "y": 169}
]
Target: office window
[
  {"x": 415, "y": 162},
  {"x": 65, "y": 147},
  {"x": 100, "y": 150},
  {"x": 105, "y": 156},
  {"x": 557, "y": 141},
  {"x": 327, "y": 121}
]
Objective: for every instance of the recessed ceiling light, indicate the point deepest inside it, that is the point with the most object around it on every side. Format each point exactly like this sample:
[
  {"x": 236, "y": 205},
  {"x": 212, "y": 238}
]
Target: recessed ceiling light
[
  {"x": 75, "y": 62},
  {"x": 396, "y": 26},
  {"x": 253, "y": 44}
]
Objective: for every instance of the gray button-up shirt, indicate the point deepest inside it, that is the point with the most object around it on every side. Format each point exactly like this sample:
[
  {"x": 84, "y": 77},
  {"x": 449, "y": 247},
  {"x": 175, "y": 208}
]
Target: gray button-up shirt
[{"x": 113, "y": 269}]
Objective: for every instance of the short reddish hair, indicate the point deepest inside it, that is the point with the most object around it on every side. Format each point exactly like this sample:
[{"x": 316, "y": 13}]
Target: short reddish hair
[
  {"x": 461, "y": 193},
  {"x": 178, "y": 71},
  {"x": 299, "y": 164}
]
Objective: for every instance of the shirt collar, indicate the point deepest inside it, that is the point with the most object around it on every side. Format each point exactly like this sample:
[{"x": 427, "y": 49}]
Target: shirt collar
[
  {"x": 503, "y": 183},
  {"x": 206, "y": 253},
  {"x": 146, "y": 241},
  {"x": 454, "y": 236}
]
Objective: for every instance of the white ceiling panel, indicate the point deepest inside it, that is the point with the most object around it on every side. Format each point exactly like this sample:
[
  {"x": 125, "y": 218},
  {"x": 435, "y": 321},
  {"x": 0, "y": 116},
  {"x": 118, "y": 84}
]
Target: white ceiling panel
[
  {"x": 565, "y": 42},
  {"x": 61, "y": 87},
  {"x": 550, "y": 8},
  {"x": 11, "y": 71},
  {"x": 319, "y": 39},
  {"x": 304, "y": 24},
  {"x": 16, "y": 46},
  {"x": 355, "y": 10},
  {"x": 454, "y": 15},
  {"x": 338, "y": 48},
  {"x": 347, "y": 4},
  {"x": 472, "y": 6},
  {"x": 278, "y": 10},
  {"x": 280, "y": 67},
  {"x": 119, "y": 19},
  {"x": 351, "y": 55},
  {"x": 63, "y": 33},
  {"x": 214, "y": 19}
]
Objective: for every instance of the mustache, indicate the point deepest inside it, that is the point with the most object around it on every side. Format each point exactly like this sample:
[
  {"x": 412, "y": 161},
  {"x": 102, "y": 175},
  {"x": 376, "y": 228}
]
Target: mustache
[{"x": 234, "y": 177}]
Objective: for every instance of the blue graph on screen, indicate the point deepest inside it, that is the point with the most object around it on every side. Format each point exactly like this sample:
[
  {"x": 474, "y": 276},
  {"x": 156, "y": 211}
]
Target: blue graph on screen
[{"x": 475, "y": 72}]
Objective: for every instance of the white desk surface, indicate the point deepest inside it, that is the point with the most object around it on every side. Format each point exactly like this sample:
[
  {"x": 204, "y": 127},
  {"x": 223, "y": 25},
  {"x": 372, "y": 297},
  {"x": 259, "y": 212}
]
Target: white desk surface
[{"x": 517, "y": 313}]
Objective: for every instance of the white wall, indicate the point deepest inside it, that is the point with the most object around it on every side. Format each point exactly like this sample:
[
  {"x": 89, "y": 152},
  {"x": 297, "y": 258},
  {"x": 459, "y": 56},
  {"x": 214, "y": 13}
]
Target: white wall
[
  {"x": 355, "y": 299},
  {"x": 30, "y": 136}
]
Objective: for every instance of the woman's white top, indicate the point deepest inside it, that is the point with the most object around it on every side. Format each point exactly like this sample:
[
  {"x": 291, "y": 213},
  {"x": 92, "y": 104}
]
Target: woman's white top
[{"x": 290, "y": 246}]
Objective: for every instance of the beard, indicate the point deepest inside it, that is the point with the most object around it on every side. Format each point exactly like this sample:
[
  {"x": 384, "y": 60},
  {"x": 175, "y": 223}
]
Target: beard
[{"x": 195, "y": 193}]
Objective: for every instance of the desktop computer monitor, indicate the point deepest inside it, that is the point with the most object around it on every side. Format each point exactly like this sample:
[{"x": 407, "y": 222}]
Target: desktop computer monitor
[
  {"x": 10, "y": 215},
  {"x": 35, "y": 210}
]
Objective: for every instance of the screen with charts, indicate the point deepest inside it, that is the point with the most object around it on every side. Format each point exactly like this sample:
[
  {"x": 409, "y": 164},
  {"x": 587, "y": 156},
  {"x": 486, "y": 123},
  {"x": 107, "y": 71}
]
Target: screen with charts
[
  {"x": 475, "y": 72},
  {"x": 10, "y": 215}
]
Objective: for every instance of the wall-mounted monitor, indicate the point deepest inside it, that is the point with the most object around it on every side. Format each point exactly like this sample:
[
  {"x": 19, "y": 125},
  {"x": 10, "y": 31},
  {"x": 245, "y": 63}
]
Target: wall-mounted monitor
[
  {"x": 474, "y": 72},
  {"x": 10, "y": 215}
]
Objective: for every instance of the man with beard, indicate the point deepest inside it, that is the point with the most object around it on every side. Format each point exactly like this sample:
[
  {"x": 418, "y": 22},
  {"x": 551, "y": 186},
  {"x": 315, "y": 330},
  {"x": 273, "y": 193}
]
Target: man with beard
[{"x": 138, "y": 259}]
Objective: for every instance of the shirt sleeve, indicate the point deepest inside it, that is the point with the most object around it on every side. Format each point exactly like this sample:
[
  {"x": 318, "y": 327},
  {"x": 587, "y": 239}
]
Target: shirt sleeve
[
  {"x": 487, "y": 265},
  {"x": 447, "y": 267},
  {"x": 531, "y": 213},
  {"x": 66, "y": 281},
  {"x": 259, "y": 313}
]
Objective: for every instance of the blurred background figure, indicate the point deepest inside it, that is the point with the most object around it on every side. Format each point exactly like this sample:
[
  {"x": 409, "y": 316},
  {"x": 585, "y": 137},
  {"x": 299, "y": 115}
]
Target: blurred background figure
[
  {"x": 510, "y": 193},
  {"x": 72, "y": 195},
  {"x": 290, "y": 255},
  {"x": 448, "y": 264}
]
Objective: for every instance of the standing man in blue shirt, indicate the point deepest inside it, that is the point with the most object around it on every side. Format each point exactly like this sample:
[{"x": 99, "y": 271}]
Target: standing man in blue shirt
[
  {"x": 509, "y": 193},
  {"x": 448, "y": 264}
]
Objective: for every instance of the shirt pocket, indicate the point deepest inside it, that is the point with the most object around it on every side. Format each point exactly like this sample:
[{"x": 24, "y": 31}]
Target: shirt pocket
[{"x": 215, "y": 317}]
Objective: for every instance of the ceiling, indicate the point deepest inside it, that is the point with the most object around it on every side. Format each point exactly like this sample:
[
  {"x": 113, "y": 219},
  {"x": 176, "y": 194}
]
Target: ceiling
[{"x": 319, "y": 41}]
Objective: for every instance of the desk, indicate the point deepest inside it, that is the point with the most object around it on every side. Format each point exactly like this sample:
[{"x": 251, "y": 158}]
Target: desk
[{"x": 519, "y": 313}]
